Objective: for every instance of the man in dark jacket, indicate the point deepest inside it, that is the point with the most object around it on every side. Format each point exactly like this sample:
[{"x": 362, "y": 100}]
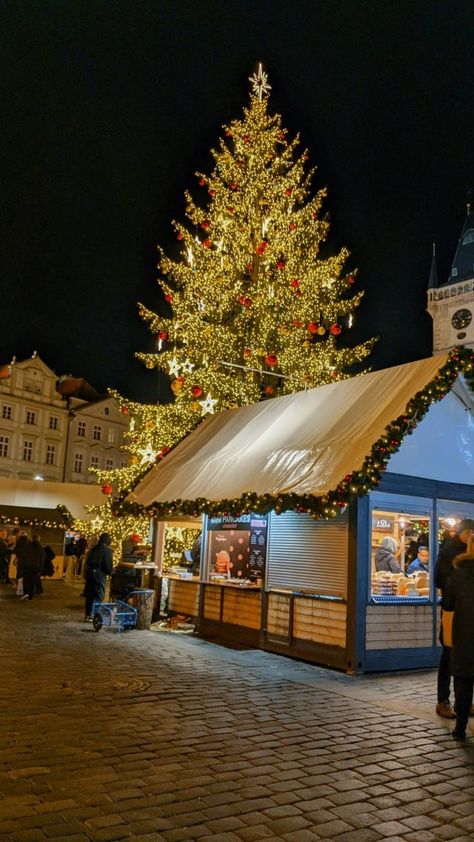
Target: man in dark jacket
[
  {"x": 5, "y": 554},
  {"x": 98, "y": 567},
  {"x": 459, "y": 597},
  {"x": 33, "y": 560},
  {"x": 450, "y": 548}
]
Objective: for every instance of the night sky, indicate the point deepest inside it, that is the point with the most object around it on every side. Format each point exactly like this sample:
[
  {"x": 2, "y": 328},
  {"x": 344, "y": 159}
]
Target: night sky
[{"x": 108, "y": 108}]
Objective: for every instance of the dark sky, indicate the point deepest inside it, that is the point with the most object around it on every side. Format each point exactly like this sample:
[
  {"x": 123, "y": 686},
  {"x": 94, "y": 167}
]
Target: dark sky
[{"x": 108, "y": 108}]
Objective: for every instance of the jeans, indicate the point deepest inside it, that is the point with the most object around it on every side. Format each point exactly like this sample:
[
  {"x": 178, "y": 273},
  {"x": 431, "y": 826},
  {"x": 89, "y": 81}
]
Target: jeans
[{"x": 463, "y": 687}]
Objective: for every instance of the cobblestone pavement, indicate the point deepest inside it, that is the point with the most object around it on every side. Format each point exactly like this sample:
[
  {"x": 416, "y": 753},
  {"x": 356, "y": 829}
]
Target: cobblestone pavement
[{"x": 154, "y": 736}]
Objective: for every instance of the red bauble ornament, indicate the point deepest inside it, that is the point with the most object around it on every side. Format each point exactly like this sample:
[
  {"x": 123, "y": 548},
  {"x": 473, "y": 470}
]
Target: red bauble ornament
[
  {"x": 351, "y": 279},
  {"x": 196, "y": 391},
  {"x": 314, "y": 216},
  {"x": 305, "y": 156},
  {"x": 282, "y": 135},
  {"x": 205, "y": 224},
  {"x": 269, "y": 390},
  {"x": 179, "y": 235},
  {"x": 135, "y": 538},
  {"x": 249, "y": 267},
  {"x": 233, "y": 185},
  {"x": 107, "y": 488},
  {"x": 228, "y": 133},
  {"x": 202, "y": 182},
  {"x": 297, "y": 323},
  {"x": 246, "y": 138},
  {"x": 168, "y": 297},
  {"x": 271, "y": 359},
  {"x": 207, "y": 244},
  {"x": 124, "y": 410},
  {"x": 212, "y": 193},
  {"x": 298, "y": 293},
  {"x": 312, "y": 327},
  {"x": 292, "y": 226},
  {"x": 280, "y": 264},
  {"x": 288, "y": 191},
  {"x": 247, "y": 353},
  {"x": 261, "y": 247},
  {"x": 294, "y": 284},
  {"x": 230, "y": 210},
  {"x": 247, "y": 302},
  {"x": 335, "y": 330},
  {"x": 163, "y": 335}
]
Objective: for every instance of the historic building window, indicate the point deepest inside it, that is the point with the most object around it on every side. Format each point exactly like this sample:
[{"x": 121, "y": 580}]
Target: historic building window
[
  {"x": 112, "y": 435},
  {"x": 27, "y": 451},
  {"x": 97, "y": 432},
  {"x": 109, "y": 464},
  {"x": 53, "y": 422},
  {"x": 78, "y": 460},
  {"x": 50, "y": 454},
  {"x": 7, "y": 412},
  {"x": 81, "y": 429},
  {"x": 4, "y": 445},
  {"x": 30, "y": 417},
  {"x": 94, "y": 461}
]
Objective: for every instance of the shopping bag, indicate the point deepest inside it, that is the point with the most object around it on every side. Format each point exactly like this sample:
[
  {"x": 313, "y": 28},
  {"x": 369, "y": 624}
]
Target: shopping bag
[
  {"x": 447, "y": 621},
  {"x": 19, "y": 587}
]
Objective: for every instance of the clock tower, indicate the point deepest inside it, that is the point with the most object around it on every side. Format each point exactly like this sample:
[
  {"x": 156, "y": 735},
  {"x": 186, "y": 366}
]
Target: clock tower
[{"x": 451, "y": 304}]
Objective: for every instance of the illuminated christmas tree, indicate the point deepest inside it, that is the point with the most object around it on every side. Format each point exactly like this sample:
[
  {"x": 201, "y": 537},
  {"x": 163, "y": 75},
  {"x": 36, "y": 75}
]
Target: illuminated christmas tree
[{"x": 255, "y": 310}]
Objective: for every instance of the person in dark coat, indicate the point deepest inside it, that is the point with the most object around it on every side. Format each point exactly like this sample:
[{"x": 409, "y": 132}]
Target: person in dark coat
[
  {"x": 32, "y": 565},
  {"x": 98, "y": 566},
  {"x": 5, "y": 554},
  {"x": 459, "y": 597},
  {"x": 21, "y": 548},
  {"x": 385, "y": 556},
  {"x": 450, "y": 548}
]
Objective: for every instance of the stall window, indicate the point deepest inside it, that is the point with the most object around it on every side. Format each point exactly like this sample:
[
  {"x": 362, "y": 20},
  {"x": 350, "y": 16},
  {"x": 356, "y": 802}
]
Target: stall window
[{"x": 401, "y": 557}]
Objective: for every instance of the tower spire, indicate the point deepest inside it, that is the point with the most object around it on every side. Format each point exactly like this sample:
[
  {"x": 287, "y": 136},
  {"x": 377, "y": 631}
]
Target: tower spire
[{"x": 433, "y": 282}]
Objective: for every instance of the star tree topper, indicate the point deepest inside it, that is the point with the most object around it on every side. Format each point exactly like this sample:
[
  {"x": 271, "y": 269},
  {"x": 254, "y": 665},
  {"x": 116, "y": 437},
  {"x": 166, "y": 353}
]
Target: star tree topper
[{"x": 259, "y": 82}]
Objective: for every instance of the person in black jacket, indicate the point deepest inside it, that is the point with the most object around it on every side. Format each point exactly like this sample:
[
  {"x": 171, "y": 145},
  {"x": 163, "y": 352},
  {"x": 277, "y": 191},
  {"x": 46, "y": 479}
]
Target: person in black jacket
[
  {"x": 98, "y": 566},
  {"x": 33, "y": 560},
  {"x": 449, "y": 549},
  {"x": 5, "y": 554},
  {"x": 459, "y": 597}
]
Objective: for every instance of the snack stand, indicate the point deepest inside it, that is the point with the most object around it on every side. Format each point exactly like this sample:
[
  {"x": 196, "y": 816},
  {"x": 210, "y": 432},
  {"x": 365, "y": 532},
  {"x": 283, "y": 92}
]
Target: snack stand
[{"x": 317, "y": 593}]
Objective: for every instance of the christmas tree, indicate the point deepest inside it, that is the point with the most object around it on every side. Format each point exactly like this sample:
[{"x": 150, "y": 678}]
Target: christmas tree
[{"x": 255, "y": 310}]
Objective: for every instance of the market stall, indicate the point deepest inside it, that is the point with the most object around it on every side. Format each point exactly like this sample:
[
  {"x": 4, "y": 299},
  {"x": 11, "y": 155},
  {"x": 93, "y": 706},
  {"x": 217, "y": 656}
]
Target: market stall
[{"x": 339, "y": 474}]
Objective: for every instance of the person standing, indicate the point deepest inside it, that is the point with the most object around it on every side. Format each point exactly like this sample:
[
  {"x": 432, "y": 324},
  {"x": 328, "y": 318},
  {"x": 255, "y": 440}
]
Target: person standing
[
  {"x": 4, "y": 559},
  {"x": 98, "y": 566},
  {"x": 21, "y": 549},
  {"x": 459, "y": 597},
  {"x": 450, "y": 548},
  {"x": 386, "y": 556},
  {"x": 420, "y": 563},
  {"x": 32, "y": 564}
]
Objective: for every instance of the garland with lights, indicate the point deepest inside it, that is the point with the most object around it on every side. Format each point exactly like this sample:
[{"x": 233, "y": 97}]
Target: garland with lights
[{"x": 357, "y": 483}]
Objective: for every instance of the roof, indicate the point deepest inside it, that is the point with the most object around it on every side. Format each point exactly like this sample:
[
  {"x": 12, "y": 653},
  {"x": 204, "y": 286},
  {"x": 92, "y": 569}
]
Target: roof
[
  {"x": 462, "y": 268},
  {"x": 59, "y": 518},
  {"x": 312, "y": 450},
  {"x": 77, "y": 387}
]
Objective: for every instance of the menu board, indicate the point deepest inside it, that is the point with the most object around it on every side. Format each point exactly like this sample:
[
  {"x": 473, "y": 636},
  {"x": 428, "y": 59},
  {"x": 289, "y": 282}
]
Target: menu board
[{"x": 238, "y": 545}]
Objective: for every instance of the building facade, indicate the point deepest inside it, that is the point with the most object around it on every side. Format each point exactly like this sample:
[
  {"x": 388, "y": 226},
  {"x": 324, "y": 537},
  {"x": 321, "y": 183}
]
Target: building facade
[{"x": 56, "y": 430}]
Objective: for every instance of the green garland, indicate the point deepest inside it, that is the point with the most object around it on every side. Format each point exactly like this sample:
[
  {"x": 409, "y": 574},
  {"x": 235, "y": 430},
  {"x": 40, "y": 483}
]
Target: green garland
[{"x": 355, "y": 484}]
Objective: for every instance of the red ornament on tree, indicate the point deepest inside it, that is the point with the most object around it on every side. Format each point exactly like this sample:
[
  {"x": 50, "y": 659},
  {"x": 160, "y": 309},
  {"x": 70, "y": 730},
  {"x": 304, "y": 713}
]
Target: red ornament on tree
[
  {"x": 297, "y": 323},
  {"x": 196, "y": 391},
  {"x": 351, "y": 279},
  {"x": 228, "y": 133},
  {"x": 212, "y": 193},
  {"x": 261, "y": 247},
  {"x": 163, "y": 335},
  {"x": 292, "y": 226},
  {"x": 168, "y": 297},
  {"x": 205, "y": 224},
  {"x": 335, "y": 330},
  {"x": 288, "y": 191},
  {"x": 312, "y": 327},
  {"x": 135, "y": 538},
  {"x": 207, "y": 244},
  {"x": 124, "y": 410},
  {"x": 294, "y": 284},
  {"x": 202, "y": 182},
  {"x": 179, "y": 235},
  {"x": 271, "y": 359},
  {"x": 269, "y": 390},
  {"x": 247, "y": 302},
  {"x": 280, "y": 264},
  {"x": 107, "y": 488},
  {"x": 233, "y": 185}
]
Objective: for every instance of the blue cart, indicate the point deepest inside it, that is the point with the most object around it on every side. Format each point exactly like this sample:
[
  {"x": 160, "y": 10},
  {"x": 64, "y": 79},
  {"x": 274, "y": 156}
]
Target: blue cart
[{"x": 118, "y": 616}]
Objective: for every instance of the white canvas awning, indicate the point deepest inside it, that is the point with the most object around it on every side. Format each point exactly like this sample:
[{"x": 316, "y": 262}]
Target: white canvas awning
[{"x": 303, "y": 443}]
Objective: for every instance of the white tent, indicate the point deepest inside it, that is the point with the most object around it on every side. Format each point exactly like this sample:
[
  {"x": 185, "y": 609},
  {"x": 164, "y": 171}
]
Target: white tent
[{"x": 303, "y": 443}]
